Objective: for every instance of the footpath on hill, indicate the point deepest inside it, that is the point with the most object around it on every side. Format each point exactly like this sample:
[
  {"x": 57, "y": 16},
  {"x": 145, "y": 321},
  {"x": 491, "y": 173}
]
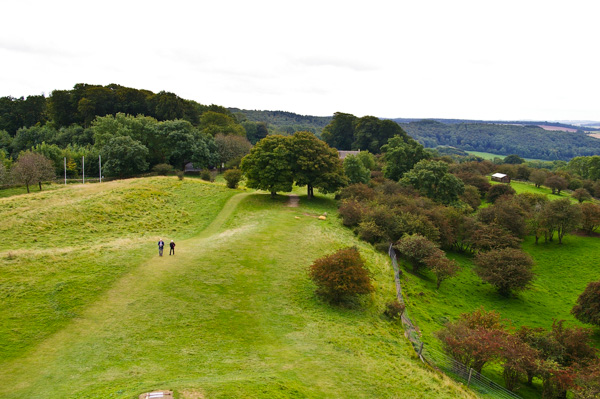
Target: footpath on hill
[{"x": 232, "y": 314}]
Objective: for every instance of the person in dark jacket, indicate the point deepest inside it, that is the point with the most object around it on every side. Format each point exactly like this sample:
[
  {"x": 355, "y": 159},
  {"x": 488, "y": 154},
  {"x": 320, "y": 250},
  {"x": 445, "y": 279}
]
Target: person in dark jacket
[
  {"x": 172, "y": 245},
  {"x": 161, "y": 245}
]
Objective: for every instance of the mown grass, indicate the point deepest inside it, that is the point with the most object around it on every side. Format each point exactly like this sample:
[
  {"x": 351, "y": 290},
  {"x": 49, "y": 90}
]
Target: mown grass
[
  {"x": 490, "y": 156},
  {"x": 233, "y": 314},
  {"x": 65, "y": 247},
  {"x": 522, "y": 187}
]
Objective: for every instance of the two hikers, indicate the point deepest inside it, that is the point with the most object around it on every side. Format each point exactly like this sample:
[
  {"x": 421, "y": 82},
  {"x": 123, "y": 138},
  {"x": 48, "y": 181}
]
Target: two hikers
[{"x": 161, "y": 245}]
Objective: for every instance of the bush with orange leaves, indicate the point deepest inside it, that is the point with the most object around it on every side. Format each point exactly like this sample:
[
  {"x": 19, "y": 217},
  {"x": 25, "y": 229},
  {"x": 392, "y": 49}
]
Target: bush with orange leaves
[{"x": 341, "y": 275}]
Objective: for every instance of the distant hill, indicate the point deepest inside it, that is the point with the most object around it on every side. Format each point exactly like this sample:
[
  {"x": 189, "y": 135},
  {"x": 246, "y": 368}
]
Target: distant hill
[
  {"x": 527, "y": 140},
  {"x": 567, "y": 125},
  {"x": 283, "y": 122}
]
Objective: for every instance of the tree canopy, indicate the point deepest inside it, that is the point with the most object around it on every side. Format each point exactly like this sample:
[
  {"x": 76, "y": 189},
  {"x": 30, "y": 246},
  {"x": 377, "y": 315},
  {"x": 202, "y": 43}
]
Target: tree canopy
[{"x": 276, "y": 162}]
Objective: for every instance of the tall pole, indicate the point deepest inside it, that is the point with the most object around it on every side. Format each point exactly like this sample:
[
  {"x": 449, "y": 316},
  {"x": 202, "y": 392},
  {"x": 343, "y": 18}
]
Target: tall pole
[
  {"x": 65, "y": 171},
  {"x": 83, "y": 168},
  {"x": 100, "y": 166}
]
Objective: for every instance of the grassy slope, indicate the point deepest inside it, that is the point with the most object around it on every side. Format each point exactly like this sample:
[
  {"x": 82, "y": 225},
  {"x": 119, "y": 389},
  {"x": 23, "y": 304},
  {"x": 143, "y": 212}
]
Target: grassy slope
[
  {"x": 490, "y": 156},
  {"x": 562, "y": 273},
  {"x": 232, "y": 314}
]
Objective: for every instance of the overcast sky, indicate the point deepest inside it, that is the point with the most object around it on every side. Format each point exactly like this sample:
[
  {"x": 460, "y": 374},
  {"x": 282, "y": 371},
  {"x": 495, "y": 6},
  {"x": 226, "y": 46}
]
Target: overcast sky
[{"x": 478, "y": 59}]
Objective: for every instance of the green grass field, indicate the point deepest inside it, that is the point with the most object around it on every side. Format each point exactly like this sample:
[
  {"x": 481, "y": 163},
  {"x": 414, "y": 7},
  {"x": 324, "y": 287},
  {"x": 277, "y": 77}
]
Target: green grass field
[
  {"x": 562, "y": 273},
  {"x": 89, "y": 310},
  {"x": 490, "y": 156}
]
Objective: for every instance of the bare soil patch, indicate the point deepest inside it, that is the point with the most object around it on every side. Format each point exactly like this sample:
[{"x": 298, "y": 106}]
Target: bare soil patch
[
  {"x": 558, "y": 128},
  {"x": 293, "y": 201},
  {"x": 192, "y": 394}
]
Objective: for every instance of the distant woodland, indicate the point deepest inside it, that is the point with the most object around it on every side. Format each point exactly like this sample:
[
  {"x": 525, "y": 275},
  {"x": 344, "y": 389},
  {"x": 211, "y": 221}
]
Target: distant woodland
[
  {"x": 526, "y": 141},
  {"x": 281, "y": 122},
  {"x": 68, "y": 118}
]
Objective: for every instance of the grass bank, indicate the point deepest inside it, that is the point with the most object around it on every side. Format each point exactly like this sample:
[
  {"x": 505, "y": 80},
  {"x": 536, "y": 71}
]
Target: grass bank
[{"x": 232, "y": 314}]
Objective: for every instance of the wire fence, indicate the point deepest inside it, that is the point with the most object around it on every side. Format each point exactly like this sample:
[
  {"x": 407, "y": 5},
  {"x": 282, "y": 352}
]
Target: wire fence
[{"x": 441, "y": 361}]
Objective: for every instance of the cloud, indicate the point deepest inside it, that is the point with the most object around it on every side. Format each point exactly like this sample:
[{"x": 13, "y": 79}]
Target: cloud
[
  {"x": 334, "y": 62},
  {"x": 31, "y": 49}
]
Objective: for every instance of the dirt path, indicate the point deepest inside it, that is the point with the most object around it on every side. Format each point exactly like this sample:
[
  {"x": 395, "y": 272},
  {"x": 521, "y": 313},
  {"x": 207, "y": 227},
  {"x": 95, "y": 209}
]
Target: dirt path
[{"x": 293, "y": 201}]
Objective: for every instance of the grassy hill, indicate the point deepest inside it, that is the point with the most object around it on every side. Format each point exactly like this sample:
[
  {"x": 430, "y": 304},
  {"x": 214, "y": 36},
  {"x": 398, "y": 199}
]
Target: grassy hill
[
  {"x": 89, "y": 310},
  {"x": 562, "y": 273}
]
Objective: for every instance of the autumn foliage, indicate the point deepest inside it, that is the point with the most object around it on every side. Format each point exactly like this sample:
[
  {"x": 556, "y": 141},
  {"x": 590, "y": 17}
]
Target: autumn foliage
[
  {"x": 587, "y": 309},
  {"x": 341, "y": 275}
]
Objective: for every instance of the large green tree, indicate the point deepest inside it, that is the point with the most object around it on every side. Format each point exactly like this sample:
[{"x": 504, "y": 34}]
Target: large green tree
[
  {"x": 432, "y": 179},
  {"x": 562, "y": 217},
  {"x": 124, "y": 156},
  {"x": 339, "y": 133},
  {"x": 355, "y": 171},
  {"x": 231, "y": 149},
  {"x": 400, "y": 155},
  {"x": 214, "y": 123},
  {"x": 267, "y": 166},
  {"x": 315, "y": 164}
]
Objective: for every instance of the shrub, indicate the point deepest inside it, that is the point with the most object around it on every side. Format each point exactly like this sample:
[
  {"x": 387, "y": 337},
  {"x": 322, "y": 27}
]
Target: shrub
[
  {"x": 416, "y": 249},
  {"x": 206, "y": 175},
  {"x": 538, "y": 177},
  {"x": 590, "y": 217},
  {"x": 556, "y": 184},
  {"x": 162, "y": 169},
  {"x": 507, "y": 269},
  {"x": 472, "y": 345},
  {"x": 498, "y": 190},
  {"x": 233, "y": 177},
  {"x": 180, "y": 174},
  {"x": 341, "y": 275},
  {"x": 581, "y": 194},
  {"x": 442, "y": 267},
  {"x": 359, "y": 192},
  {"x": 587, "y": 308},
  {"x": 471, "y": 197},
  {"x": 351, "y": 212},
  {"x": 394, "y": 309},
  {"x": 486, "y": 237},
  {"x": 369, "y": 231}
]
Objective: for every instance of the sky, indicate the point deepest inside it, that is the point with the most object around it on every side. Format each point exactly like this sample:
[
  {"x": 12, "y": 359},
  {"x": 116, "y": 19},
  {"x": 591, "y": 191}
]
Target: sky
[{"x": 491, "y": 60}]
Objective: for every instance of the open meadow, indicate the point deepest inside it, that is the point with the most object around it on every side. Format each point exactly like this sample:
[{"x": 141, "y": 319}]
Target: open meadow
[
  {"x": 89, "y": 310},
  {"x": 561, "y": 274}
]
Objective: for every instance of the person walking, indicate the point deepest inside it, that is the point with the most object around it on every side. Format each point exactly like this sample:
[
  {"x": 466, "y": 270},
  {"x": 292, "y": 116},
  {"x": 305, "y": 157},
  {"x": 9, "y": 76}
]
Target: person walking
[
  {"x": 161, "y": 245},
  {"x": 172, "y": 245}
]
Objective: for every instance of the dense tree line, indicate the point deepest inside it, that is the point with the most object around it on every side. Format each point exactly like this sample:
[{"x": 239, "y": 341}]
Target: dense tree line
[
  {"x": 348, "y": 132},
  {"x": 134, "y": 130},
  {"x": 283, "y": 123},
  {"x": 526, "y": 141}
]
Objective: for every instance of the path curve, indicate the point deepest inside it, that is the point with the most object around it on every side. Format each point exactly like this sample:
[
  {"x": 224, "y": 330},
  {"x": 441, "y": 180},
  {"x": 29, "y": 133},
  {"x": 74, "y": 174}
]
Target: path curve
[{"x": 112, "y": 303}]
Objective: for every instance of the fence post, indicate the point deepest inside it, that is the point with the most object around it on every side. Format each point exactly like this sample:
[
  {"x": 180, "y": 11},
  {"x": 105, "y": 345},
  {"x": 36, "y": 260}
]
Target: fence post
[
  {"x": 421, "y": 351},
  {"x": 470, "y": 373}
]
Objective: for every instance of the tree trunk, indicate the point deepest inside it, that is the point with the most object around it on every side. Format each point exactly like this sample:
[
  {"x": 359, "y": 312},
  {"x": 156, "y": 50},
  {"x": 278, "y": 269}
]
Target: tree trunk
[
  {"x": 273, "y": 194},
  {"x": 40, "y": 183},
  {"x": 309, "y": 191},
  {"x": 27, "y": 185}
]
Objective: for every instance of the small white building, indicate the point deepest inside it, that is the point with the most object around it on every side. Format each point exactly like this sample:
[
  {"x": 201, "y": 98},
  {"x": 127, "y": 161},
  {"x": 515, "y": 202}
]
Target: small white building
[{"x": 501, "y": 177}]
